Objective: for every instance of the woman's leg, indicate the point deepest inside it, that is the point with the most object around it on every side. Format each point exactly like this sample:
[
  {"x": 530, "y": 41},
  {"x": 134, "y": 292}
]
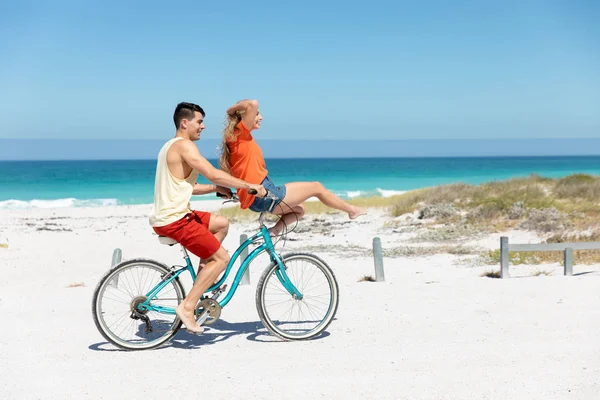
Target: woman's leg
[
  {"x": 289, "y": 215},
  {"x": 298, "y": 192}
]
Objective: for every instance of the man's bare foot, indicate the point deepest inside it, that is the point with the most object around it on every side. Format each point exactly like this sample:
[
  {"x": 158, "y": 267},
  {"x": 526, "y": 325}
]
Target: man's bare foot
[
  {"x": 357, "y": 212},
  {"x": 187, "y": 317}
]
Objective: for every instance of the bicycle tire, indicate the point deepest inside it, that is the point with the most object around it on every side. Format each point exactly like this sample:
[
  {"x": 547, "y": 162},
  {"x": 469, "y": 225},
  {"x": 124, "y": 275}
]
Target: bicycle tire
[
  {"x": 97, "y": 312},
  {"x": 261, "y": 292}
]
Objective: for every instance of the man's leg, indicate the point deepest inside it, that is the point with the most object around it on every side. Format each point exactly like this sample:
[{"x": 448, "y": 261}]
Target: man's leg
[
  {"x": 218, "y": 226},
  {"x": 215, "y": 265},
  {"x": 196, "y": 237}
]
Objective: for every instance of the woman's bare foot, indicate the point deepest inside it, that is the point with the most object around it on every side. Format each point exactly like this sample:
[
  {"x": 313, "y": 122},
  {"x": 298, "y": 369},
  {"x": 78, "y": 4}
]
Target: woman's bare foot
[
  {"x": 187, "y": 317},
  {"x": 356, "y": 212}
]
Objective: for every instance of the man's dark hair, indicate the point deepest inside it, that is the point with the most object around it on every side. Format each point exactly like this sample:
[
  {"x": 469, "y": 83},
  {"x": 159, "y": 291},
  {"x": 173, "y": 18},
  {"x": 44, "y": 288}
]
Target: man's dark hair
[{"x": 186, "y": 111}]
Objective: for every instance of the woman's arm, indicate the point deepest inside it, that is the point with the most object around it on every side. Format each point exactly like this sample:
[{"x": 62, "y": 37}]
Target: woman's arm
[
  {"x": 241, "y": 106},
  {"x": 250, "y": 108}
]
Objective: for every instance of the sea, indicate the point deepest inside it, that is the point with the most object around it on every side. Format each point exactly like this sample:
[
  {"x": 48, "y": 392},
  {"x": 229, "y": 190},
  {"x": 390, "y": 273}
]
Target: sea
[{"x": 55, "y": 184}]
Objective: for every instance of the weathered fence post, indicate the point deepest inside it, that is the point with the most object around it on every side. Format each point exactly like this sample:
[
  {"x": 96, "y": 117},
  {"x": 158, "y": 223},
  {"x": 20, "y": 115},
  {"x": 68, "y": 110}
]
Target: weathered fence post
[
  {"x": 504, "y": 257},
  {"x": 246, "y": 276},
  {"x": 568, "y": 261},
  {"x": 116, "y": 259},
  {"x": 566, "y": 248},
  {"x": 378, "y": 259}
]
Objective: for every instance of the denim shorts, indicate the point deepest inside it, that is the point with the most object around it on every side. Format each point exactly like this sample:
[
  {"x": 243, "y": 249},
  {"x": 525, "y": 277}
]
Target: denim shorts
[{"x": 268, "y": 203}]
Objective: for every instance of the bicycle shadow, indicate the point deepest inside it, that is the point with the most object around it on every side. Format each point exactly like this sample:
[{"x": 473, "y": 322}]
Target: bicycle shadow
[{"x": 215, "y": 333}]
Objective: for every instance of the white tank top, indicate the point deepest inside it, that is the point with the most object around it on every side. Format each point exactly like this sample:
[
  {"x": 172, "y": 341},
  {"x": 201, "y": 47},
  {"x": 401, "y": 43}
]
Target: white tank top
[{"x": 171, "y": 195}]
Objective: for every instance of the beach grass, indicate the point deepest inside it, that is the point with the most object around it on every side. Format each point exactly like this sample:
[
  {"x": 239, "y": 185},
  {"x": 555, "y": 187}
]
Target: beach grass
[
  {"x": 542, "y": 257},
  {"x": 573, "y": 193},
  {"x": 311, "y": 207},
  {"x": 578, "y": 193},
  {"x": 561, "y": 210},
  {"x": 541, "y": 272},
  {"x": 424, "y": 251}
]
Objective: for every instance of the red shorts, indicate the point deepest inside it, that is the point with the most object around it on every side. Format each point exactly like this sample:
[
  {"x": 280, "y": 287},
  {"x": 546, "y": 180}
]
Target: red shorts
[{"x": 192, "y": 232}]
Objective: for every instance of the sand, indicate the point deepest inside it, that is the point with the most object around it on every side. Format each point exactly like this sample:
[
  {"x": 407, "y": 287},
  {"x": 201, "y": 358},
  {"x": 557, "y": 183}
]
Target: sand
[{"x": 435, "y": 329}]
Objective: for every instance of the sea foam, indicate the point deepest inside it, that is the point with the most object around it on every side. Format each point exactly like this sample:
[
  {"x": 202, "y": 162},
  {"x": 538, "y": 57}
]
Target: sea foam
[{"x": 58, "y": 203}]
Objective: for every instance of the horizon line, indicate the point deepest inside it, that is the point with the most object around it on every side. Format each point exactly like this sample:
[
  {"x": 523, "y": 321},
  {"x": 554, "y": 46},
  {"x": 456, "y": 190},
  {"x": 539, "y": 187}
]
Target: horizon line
[
  {"x": 321, "y": 158},
  {"x": 318, "y": 140}
]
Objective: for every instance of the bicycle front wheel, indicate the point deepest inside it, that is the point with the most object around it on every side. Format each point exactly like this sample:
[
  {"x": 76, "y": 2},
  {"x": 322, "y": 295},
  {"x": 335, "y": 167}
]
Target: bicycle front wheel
[
  {"x": 291, "y": 318},
  {"x": 117, "y": 296}
]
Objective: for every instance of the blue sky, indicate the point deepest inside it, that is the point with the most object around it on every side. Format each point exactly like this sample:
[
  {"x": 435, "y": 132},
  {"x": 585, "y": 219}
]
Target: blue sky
[{"x": 320, "y": 70}]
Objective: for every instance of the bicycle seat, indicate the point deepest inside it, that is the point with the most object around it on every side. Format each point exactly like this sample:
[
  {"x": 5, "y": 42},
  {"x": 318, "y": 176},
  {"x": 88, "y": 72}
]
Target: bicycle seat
[{"x": 167, "y": 240}]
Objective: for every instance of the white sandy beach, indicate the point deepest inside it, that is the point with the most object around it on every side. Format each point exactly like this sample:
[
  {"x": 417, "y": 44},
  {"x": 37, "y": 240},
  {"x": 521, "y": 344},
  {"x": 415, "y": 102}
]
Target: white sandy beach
[{"x": 435, "y": 329}]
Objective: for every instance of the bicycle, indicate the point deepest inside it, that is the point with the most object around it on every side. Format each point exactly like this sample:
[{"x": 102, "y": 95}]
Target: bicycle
[{"x": 140, "y": 301}]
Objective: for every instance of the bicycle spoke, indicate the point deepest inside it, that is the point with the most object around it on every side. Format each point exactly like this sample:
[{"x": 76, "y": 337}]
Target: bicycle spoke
[
  {"x": 117, "y": 300},
  {"x": 305, "y": 316},
  {"x": 114, "y": 306},
  {"x": 307, "y": 300},
  {"x": 124, "y": 315}
]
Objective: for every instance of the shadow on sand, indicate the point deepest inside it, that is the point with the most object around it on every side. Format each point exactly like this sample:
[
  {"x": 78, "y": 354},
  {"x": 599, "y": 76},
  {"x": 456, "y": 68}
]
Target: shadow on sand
[{"x": 218, "y": 332}]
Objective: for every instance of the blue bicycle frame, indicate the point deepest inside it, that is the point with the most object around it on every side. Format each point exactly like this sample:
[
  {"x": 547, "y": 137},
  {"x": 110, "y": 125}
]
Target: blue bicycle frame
[{"x": 267, "y": 245}]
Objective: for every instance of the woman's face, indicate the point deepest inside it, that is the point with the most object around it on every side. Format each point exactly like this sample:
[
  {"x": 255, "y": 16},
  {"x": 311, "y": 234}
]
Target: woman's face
[{"x": 257, "y": 121}]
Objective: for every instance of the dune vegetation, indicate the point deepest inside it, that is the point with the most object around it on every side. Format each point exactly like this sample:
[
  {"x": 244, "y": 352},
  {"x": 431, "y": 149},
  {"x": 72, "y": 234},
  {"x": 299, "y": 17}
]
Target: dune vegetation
[{"x": 560, "y": 210}]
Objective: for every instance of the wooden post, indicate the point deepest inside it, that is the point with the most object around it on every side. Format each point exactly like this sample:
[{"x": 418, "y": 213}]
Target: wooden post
[
  {"x": 246, "y": 277},
  {"x": 504, "y": 257},
  {"x": 378, "y": 259},
  {"x": 568, "y": 261},
  {"x": 116, "y": 259}
]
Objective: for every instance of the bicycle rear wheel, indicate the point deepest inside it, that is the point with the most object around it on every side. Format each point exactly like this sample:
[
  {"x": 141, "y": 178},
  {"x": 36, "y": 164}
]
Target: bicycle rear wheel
[
  {"x": 290, "y": 318},
  {"x": 117, "y": 296}
]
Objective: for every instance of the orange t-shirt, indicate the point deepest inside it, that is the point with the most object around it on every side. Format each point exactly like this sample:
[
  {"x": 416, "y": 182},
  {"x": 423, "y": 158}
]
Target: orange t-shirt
[{"x": 246, "y": 162}]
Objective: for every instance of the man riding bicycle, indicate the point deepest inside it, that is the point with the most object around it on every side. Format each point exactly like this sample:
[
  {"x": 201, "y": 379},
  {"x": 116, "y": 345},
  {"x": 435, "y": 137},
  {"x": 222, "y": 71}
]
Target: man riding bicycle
[{"x": 178, "y": 166}]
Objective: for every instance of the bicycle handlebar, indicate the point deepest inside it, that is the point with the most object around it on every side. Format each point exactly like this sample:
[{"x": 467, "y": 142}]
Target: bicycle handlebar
[
  {"x": 234, "y": 195},
  {"x": 234, "y": 198}
]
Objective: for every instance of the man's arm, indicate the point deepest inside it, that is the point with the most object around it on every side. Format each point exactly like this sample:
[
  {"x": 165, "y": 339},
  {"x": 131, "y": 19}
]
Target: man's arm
[
  {"x": 191, "y": 155},
  {"x": 251, "y": 108},
  {"x": 201, "y": 188}
]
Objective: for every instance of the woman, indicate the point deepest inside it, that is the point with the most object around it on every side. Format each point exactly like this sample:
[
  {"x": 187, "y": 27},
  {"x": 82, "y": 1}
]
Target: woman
[{"x": 242, "y": 158}]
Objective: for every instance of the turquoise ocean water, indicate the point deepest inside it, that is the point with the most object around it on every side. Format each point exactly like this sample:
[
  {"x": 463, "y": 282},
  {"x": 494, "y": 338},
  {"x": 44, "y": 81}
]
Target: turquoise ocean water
[{"x": 48, "y": 184}]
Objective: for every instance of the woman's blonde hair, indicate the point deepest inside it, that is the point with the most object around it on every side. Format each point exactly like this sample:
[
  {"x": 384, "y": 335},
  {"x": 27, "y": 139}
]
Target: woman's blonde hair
[{"x": 229, "y": 135}]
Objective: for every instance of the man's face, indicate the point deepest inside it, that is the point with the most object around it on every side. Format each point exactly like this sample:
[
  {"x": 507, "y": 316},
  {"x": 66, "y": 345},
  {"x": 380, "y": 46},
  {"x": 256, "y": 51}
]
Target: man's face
[
  {"x": 257, "y": 121},
  {"x": 195, "y": 126}
]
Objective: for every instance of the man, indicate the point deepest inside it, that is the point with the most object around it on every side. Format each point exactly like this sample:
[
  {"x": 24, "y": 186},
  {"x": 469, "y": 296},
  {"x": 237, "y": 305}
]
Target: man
[{"x": 179, "y": 164}]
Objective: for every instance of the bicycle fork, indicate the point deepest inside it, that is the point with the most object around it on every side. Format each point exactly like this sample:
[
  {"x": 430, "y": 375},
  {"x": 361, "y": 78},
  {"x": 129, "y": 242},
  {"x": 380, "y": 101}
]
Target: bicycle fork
[{"x": 283, "y": 277}]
